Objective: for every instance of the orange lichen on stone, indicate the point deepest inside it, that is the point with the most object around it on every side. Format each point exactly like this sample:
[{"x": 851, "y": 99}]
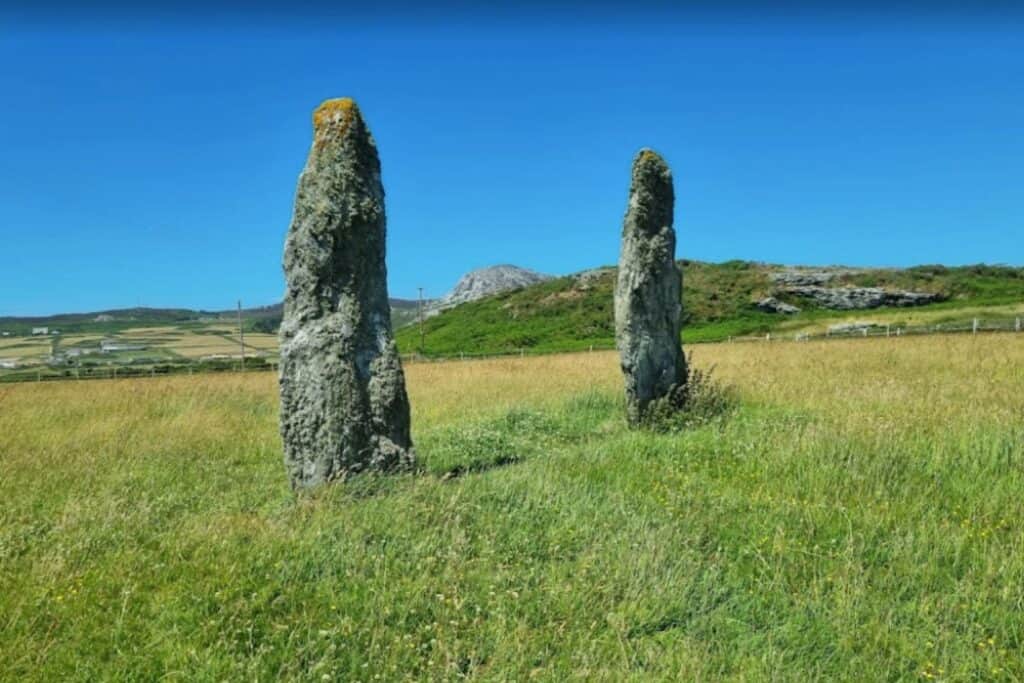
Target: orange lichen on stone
[{"x": 340, "y": 110}]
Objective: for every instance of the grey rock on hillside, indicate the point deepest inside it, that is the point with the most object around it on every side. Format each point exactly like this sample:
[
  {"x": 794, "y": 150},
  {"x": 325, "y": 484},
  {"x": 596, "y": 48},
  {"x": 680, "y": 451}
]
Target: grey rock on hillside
[
  {"x": 859, "y": 298},
  {"x": 818, "y": 286},
  {"x": 343, "y": 402},
  {"x": 802, "y": 277},
  {"x": 648, "y": 304},
  {"x": 770, "y": 304},
  {"x": 482, "y": 282}
]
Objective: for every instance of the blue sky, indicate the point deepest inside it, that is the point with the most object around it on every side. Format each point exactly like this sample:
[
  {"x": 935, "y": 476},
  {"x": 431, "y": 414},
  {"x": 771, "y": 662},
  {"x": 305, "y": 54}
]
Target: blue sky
[{"x": 154, "y": 163}]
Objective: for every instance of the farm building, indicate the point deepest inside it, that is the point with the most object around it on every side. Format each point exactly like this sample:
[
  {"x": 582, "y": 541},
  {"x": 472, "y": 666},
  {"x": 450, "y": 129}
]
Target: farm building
[{"x": 112, "y": 345}]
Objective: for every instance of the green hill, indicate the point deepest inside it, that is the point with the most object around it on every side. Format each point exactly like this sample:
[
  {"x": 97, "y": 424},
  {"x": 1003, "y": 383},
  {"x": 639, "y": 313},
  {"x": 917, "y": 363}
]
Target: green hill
[{"x": 719, "y": 301}]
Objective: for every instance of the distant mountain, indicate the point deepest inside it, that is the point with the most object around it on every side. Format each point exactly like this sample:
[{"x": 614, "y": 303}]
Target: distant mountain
[{"x": 483, "y": 282}]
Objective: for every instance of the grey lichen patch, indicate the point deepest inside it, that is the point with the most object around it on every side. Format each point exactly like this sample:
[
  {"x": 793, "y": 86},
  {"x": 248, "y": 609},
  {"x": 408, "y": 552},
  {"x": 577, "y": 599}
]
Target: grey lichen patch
[
  {"x": 648, "y": 306},
  {"x": 344, "y": 407}
]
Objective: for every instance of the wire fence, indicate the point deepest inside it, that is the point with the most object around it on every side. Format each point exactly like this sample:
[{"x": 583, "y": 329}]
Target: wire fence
[{"x": 856, "y": 330}]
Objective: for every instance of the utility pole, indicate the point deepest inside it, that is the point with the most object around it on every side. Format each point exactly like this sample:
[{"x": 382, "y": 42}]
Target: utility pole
[
  {"x": 241, "y": 334},
  {"x": 421, "y": 320}
]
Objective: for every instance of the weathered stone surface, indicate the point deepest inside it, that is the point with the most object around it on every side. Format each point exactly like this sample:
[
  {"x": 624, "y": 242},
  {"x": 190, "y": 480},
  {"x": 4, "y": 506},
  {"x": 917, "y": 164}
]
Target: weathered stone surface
[
  {"x": 587, "y": 279},
  {"x": 818, "y": 285},
  {"x": 648, "y": 293},
  {"x": 770, "y": 304},
  {"x": 344, "y": 407},
  {"x": 803, "y": 277},
  {"x": 859, "y": 298}
]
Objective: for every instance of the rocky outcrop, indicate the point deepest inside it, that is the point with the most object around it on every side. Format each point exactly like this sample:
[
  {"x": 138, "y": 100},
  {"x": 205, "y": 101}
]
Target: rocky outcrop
[
  {"x": 857, "y": 298},
  {"x": 482, "y": 282},
  {"x": 817, "y": 285},
  {"x": 795, "y": 277},
  {"x": 586, "y": 279},
  {"x": 770, "y": 304},
  {"x": 343, "y": 402},
  {"x": 648, "y": 292}
]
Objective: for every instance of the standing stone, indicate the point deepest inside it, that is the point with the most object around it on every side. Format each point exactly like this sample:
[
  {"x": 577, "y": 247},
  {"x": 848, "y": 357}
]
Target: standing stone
[
  {"x": 647, "y": 295},
  {"x": 343, "y": 403}
]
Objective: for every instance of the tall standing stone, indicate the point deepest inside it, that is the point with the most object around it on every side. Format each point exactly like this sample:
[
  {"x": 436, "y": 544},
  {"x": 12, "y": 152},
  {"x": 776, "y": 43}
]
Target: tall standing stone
[
  {"x": 648, "y": 303},
  {"x": 343, "y": 403}
]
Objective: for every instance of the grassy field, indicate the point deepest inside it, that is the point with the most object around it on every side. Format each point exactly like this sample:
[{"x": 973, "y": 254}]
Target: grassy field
[
  {"x": 858, "y": 517},
  {"x": 171, "y": 343}
]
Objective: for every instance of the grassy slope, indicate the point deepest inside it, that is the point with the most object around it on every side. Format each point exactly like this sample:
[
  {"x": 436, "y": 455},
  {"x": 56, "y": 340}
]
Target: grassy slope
[
  {"x": 718, "y": 303},
  {"x": 858, "y": 519}
]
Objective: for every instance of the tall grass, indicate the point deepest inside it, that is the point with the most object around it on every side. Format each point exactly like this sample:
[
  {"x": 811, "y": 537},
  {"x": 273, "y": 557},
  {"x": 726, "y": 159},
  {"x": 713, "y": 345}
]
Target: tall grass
[{"x": 857, "y": 518}]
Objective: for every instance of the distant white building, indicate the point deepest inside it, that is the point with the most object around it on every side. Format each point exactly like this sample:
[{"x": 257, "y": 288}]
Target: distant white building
[
  {"x": 8, "y": 363},
  {"x": 40, "y": 330},
  {"x": 111, "y": 345},
  {"x": 5, "y": 334}
]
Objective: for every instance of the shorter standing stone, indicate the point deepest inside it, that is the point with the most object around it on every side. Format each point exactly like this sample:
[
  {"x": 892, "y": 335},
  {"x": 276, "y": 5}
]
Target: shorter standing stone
[{"x": 648, "y": 306}]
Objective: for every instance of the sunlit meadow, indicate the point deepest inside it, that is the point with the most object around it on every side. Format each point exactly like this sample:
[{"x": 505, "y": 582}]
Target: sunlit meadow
[{"x": 859, "y": 516}]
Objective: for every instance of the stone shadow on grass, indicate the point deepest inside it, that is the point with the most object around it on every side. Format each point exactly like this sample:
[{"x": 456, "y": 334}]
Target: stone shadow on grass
[{"x": 521, "y": 433}]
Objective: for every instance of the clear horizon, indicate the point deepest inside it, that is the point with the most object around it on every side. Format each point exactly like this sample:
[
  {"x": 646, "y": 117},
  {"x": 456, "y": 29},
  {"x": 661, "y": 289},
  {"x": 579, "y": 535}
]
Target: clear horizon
[{"x": 153, "y": 163}]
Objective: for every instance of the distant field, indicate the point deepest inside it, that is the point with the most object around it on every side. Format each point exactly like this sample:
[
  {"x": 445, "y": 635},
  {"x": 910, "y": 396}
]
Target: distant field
[
  {"x": 24, "y": 347},
  {"x": 258, "y": 341},
  {"x": 858, "y": 518},
  {"x": 162, "y": 343},
  {"x": 192, "y": 345}
]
